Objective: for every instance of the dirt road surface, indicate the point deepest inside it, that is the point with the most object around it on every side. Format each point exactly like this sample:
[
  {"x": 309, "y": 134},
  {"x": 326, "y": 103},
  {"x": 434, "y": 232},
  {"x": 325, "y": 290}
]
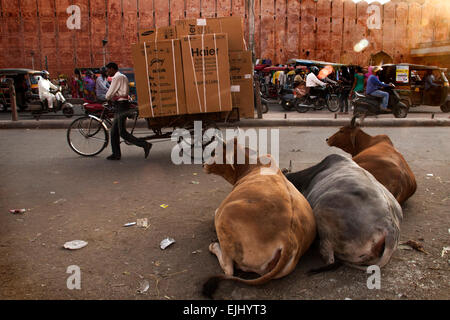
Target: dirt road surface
[{"x": 69, "y": 197}]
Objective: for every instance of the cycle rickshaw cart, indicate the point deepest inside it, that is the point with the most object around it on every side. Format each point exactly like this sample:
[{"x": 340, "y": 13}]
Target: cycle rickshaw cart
[{"x": 89, "y": 135}]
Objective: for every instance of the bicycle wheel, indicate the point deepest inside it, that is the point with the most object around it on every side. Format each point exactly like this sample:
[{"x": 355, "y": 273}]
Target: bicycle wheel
[{"x": 87, "y": 136}]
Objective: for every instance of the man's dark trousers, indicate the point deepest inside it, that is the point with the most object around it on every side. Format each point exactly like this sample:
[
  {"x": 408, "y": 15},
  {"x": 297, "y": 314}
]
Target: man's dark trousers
[{"x": 119, "y": 129}]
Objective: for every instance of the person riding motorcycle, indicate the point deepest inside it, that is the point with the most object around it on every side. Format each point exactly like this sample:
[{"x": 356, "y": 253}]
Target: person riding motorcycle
[
  {"x": 44, "y": 86},
  {"x": 313, "y": 84},
  {"x": 373, "y": 86}
]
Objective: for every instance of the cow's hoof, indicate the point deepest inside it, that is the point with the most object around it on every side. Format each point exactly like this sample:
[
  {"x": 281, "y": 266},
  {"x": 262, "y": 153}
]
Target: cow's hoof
[{"x": 213, "y": 247}]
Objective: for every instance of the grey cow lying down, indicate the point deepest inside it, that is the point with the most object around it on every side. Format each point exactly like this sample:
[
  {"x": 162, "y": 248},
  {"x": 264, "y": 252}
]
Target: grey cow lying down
[{"x": 357, "y": 217}]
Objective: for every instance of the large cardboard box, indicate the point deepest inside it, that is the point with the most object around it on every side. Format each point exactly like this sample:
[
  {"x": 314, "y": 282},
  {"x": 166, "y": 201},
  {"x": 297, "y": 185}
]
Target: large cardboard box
[
  {"x": 161, "y": 33},
  {"x": 241, "y": 71},
  {"x": 206, "y": 73},
  {"x": 232, "y": 26},
  {"x": 159, "y": 78}
]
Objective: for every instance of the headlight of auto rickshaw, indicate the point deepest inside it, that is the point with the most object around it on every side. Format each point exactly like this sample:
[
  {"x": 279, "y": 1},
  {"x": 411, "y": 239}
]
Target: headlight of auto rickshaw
[{"x": 445, "y": 84}]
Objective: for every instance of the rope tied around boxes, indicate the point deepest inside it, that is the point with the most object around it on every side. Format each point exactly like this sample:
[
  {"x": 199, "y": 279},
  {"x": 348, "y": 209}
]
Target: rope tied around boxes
[{"x": 148, "y": 79}]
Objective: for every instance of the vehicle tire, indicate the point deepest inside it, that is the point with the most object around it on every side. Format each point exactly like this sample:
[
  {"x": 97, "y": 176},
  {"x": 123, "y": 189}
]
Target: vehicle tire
[
  {"x": 87, "y": 136},
  {"x": 300, "y": 108},
  {"x": 68, "y": 110},
  {"x": 446, "y": 107},
  {"x": 333, "y": 103},
  {"x": 401, "y": 110},
  {"x": 285, "y": 106},
  {"x": 3, "y": 107}
]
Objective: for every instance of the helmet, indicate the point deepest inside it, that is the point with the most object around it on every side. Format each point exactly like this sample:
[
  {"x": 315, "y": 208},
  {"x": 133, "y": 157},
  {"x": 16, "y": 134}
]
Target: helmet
[
  {"x": 45, "y": 74},
  {"x": 315, "y": 70}
]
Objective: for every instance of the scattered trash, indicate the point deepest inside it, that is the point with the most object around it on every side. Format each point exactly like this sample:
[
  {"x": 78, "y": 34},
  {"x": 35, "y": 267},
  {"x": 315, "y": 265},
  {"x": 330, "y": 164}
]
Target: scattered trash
[
  {"x": 449, "y": 230},
  {"x": 194, "y": 174},
  {"x": 347, "y": 299},
  {"x": 444, "y": 251},
  {"x": 52, "y": 192},
  {"x": 167, "y": 297},
  {"x": 143, "y": 223},
  {"x": 75, "y": 244},
  {"x": 164, "y": 205},
  {"x": 429, "y": 174},
  {"x": 144, "y": 285},
  {"x": 157, "y": 263},
  {"x": 126, "y": 273},
  {"x": 116, "y": 182},
  {"x": 196, "y": 251},
  {"x": 414, "y": 245},
  {"x": 166, "y": 242},
  {"x": 296, "y": 150},
  {"x": 129, "y": 224},
  {"x": 37, "y": 236},
  {"x": 17, "y": 211},
  {"x": 195, "y": 182},
  {"x": 59, "y": 200}
]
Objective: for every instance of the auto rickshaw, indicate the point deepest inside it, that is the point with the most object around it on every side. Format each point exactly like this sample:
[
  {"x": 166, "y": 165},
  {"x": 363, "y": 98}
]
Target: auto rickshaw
[
  {"x": 25, "y": 84},
  {"x": 409, "y": 80}
]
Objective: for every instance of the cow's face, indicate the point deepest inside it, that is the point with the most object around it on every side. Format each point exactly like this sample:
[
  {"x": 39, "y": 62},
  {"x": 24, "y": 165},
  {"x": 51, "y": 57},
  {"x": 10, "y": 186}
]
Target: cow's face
[
  {"x": 225, "y": 163},
  {"x": 344, "y": 139}
]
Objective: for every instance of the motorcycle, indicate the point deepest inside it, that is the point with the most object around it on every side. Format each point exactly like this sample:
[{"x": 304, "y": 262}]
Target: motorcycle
[
  {"x": 366, "y": 105},
  {"x": 39, "y": 107},
  {"x": 318, "y": 100},
  {"x": 287, "y": 98}
]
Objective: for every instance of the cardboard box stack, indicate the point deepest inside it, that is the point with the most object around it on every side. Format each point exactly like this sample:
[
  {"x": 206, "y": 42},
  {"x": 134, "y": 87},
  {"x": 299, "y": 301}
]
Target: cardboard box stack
[{"x": 196, "y": 66}]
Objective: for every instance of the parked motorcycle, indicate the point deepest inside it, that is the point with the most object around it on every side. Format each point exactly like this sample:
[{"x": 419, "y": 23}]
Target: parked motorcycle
[
  {"x": 319, "y": 99},
  {"x": 366, "y": 105},
  {"x": 38, "y": 107},
  {"x": 287, "y": 99}
]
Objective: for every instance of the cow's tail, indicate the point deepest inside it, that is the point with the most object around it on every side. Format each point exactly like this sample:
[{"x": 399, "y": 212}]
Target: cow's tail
[
  {"x": 329, "y": 267},
  {"x": 283, "y": 257}
]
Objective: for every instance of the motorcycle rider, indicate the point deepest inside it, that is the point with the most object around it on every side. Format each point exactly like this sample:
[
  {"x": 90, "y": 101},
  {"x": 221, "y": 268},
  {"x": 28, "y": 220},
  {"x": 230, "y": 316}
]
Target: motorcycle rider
[
  {"x": 313, "y": 84},
  {"x": 45, "y": 85},
  {"x": 373, "y": 86}
]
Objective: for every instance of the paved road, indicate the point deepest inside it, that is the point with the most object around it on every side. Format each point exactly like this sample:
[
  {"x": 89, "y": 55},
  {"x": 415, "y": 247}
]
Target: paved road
[{"x": 70, "y": 197}]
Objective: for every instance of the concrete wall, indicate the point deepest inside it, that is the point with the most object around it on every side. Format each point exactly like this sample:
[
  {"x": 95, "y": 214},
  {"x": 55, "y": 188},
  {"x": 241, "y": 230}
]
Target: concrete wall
[{"x": 42, "y": 34}]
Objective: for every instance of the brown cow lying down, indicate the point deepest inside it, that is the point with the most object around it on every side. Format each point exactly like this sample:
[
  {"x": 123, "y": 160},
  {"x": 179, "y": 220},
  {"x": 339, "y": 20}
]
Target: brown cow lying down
[
  {"x": 358, "y": 219},
  {"x": 377, "y": 155},
  {"x": 263, "y": 226}
]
